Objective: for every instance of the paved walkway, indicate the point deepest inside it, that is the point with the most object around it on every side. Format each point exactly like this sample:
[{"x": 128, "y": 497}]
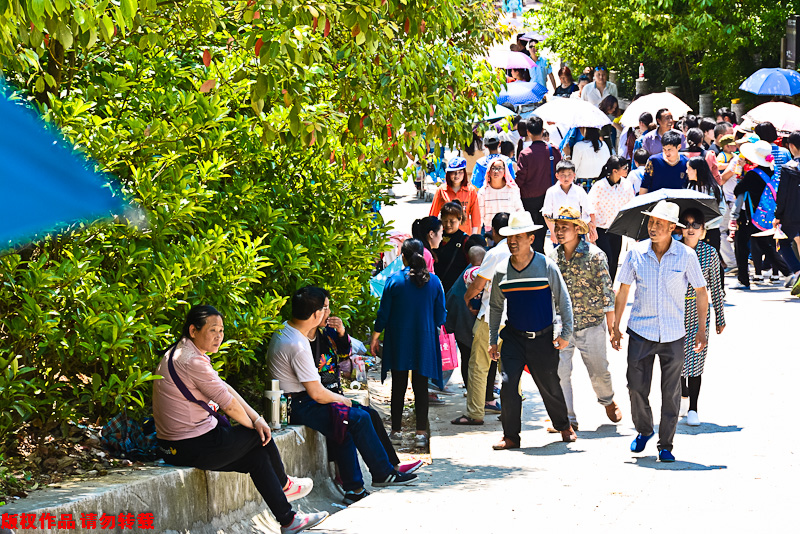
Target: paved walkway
[{"x": 737, "y": 472}]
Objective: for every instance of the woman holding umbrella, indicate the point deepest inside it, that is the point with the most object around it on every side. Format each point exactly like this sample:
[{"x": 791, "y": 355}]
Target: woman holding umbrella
[
  {"x": 702, "y": 180},
  {"x": 693, "y": 230}
]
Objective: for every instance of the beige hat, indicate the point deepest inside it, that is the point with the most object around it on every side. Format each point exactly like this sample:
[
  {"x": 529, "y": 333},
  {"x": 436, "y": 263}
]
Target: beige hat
[
  {"x": 759, "y": 153},
  {"x": 571, "y": 214},
  {"x": 669, "y": 211},
  {"x": 519, "y": 222}
]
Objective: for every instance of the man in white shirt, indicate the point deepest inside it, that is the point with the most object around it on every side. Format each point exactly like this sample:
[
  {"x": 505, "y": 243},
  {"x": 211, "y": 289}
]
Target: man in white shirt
[
  {"x": 600, "y": 88},
  {"x": 566, "y": 193},
  {"x": 348, "y": 427},
  {"x": 479, "y": 360}
]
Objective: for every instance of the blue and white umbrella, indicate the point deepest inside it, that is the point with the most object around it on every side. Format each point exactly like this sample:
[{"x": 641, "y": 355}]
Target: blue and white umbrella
[
  {"x": 520, "y": 93},
  {"x": 778, "y": 82},
  {"x": 44, "y": 186},
  {"x": 494, "y": 113}
]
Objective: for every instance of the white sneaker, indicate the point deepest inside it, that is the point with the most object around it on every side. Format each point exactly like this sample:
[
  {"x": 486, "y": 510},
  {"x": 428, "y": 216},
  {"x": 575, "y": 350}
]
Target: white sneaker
[
  {"x": 298, "y": 488},
  {"x": 692, "y": 419},
  {"x": 684, "y": 407},
  {"x": 420, "y": 440},
  {"x": 302, "y": 522}
]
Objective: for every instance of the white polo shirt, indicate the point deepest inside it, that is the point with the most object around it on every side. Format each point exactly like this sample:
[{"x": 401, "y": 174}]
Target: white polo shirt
[{"x": 592, "y": 94}]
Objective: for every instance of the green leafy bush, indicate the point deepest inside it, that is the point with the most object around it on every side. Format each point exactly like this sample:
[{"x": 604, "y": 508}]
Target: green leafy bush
[{"x": 256, "y": 139}]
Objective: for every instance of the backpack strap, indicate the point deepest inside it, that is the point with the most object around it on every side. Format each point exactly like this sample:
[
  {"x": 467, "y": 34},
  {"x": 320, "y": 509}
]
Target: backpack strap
[
  {"x": 223, "y": 421},
  {"x": 552, "y": 165}
]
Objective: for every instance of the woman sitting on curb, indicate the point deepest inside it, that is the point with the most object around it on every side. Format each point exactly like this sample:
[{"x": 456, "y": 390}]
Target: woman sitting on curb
[{"x": 191, "y": 433}]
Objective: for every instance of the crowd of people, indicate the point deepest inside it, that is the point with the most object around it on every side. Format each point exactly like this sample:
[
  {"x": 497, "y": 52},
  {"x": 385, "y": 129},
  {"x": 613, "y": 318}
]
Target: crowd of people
[
  {"x": 570, "y": 183},
  {"x": 476, "y": 268}
]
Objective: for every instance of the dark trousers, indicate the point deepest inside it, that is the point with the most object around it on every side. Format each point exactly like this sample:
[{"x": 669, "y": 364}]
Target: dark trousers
[
  {"x": 380, "y": 431},
  {"x": 641, "y": 358},
  {"x": 690, "y": 388},
  {"x": 765, "y": 246},
  {"x": 240, "y": 450},
  {"x": 419, "y": 384},
  {"x": 788, "y": 255},
  {"x": 465, "y": 354},
  {"x": 542, "y": 359},
  {"x": 534, "y": 206},
  {"x": 611, "y": 244},
  {"x": 360, "y": 438}
]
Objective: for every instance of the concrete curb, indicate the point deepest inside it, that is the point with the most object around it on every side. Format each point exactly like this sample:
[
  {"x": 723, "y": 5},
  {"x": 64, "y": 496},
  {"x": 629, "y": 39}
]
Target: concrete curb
[{"x": 186, "y": 499}]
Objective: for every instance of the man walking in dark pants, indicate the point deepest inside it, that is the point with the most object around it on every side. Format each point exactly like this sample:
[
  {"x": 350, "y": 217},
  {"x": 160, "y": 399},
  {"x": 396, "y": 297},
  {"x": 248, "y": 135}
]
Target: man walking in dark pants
[
  {"x": 662, "y": 269},
  {"x": 536, "y": 173},
  {"x": 531, "y": 286}
]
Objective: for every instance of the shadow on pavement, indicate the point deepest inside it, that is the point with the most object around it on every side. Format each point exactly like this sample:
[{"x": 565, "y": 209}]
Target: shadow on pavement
[
  {"x": 602, "y": 431},
  {"x": 650, "y": 462},
  {"x": 706, "y": 428},
  {"x": 551, "y": 449},
  {"x": 444, "y": 473}
]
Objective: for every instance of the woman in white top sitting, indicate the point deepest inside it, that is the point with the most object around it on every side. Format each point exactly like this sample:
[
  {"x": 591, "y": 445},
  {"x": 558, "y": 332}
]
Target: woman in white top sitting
[{"x": 589, "y": 156}]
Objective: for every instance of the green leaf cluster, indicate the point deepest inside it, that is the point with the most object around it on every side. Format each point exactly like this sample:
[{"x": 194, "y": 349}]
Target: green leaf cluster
[{"x": 246, "y": 188}]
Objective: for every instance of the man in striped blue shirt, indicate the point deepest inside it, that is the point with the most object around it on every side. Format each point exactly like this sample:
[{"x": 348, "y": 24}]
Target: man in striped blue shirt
[
  {"x": 661, "y": 268},
  {"x": 531, "y": 286}
]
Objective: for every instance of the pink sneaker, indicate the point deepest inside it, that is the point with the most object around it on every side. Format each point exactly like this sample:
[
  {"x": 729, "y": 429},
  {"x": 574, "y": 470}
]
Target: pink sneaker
[
  {"x": 302, "y": 522},
  {"x": 409, "y": 467},
  {"x": 297, "y": 488}
]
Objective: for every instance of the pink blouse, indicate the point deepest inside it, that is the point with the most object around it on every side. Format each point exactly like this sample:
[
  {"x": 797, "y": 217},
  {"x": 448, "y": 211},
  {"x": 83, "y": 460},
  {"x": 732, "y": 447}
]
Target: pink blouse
[{"x": 177, "y": 418}]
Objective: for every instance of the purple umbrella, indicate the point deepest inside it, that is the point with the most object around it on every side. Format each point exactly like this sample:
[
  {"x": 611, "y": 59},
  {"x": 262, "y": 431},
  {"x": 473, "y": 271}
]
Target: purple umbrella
[{"x": 506, "y": 59}]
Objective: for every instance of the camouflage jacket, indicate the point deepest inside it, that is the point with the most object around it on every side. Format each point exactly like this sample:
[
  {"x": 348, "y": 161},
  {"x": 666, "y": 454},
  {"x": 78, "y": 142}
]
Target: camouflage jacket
[{"x": 588, "y": 283}]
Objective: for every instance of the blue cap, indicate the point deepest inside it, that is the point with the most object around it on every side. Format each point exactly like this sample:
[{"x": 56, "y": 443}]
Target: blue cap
[{"x": 456, "y": 164}]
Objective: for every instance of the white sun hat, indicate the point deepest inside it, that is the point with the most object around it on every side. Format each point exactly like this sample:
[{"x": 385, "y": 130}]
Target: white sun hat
[
  {"x": 669, "y": 211},
  {"x": 520, "y": 222}
]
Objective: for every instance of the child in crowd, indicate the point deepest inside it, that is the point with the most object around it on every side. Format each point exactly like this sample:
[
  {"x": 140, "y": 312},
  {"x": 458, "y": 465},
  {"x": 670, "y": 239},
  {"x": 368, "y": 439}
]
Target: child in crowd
[
  {"x": 476, "y": 255},
  {"x": 566, "y": 193},
  {"x": 635, "y": 176}
]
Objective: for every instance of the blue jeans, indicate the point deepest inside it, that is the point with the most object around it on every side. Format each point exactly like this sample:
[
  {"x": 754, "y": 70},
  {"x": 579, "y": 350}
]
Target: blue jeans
[{"x": 360, "y": 437}]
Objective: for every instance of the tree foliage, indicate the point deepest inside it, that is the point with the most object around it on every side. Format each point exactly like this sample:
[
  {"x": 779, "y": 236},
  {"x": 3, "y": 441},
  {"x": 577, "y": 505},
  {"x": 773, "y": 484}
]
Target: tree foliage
[
  {"x": 256, "y": 137},
  {"x": 709, "y": 46}
]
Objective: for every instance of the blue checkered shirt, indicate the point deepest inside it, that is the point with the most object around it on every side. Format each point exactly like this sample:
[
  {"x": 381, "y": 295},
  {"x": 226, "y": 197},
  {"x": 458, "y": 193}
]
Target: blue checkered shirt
[{"x": 660, "y": 298}]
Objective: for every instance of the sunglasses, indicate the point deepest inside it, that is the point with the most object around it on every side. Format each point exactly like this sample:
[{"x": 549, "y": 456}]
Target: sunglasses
[{"x": 693, "y": 225}]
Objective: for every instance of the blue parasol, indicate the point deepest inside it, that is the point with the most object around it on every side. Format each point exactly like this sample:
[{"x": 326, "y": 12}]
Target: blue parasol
[
  {"x": 45, "y": 186},
  {"x": 520, "y": 93},
  {"x": 778, "y": 82}
]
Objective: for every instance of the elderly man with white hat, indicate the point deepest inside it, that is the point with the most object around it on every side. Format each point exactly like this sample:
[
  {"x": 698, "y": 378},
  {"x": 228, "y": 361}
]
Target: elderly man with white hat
[
  {"x": 531, "y": 287},
  {"x": 662, "y": 269}
]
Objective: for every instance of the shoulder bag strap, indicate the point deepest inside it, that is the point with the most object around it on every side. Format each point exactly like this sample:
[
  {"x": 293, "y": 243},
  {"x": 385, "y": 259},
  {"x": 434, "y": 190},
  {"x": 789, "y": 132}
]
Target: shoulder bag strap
[
  {"x": 188, "y": 394},
  {"x": 552, "y": 165}
]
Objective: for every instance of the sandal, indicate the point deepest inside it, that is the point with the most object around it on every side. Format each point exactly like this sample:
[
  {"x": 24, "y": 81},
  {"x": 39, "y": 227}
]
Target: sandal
[
  {"x": 505, "y": 444},
  {"x": 464, "y": 420}
]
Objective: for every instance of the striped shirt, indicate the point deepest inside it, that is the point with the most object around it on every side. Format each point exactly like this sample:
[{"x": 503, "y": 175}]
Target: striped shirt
[
  {"x": 531, "y": 295},
  {"x": 660, "y": 298}
]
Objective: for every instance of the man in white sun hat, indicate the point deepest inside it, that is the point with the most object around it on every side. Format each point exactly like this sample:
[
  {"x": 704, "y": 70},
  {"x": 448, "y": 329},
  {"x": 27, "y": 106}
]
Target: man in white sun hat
[
  {"x": 661, "y": 268},
  {"x": 531, "y": 287}
]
